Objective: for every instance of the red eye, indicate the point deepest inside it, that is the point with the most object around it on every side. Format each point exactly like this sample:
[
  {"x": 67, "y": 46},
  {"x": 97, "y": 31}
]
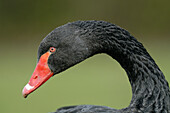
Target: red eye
[{"x": 52, "y": 49}]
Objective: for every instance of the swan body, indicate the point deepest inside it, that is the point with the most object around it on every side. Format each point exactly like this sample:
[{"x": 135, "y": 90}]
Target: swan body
[{"x": 77, "y": 41}]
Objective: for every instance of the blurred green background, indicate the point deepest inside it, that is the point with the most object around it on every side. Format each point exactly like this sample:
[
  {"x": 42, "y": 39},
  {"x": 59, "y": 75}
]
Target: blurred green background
[{"x": 99, "y": 80}]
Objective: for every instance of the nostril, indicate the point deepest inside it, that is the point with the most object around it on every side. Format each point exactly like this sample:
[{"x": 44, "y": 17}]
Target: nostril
[{"x": 35, "y": 77}]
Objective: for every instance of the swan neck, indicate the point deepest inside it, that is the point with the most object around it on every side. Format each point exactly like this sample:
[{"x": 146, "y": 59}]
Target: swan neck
[{"x": 149, "y": 87}]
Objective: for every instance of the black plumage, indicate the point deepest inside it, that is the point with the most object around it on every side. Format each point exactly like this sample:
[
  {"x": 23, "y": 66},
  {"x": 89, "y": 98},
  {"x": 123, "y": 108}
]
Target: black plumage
[{"x": 82, "y": 39}]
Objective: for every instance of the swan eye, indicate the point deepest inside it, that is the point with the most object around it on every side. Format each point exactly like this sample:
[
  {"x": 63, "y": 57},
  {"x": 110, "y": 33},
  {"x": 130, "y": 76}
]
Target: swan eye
[{"x": 52, "y": 49}]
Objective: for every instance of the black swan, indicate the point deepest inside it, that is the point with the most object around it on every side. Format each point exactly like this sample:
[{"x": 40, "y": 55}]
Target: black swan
[{"x": 74, "y": 42}]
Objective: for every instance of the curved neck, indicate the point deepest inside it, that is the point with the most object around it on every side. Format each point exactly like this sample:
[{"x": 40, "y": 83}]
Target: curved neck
[{"x": 149, "y": 88}]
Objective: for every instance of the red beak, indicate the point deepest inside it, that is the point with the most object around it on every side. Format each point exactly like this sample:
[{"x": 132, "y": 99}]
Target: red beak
[{"x": 40, "y": 75}]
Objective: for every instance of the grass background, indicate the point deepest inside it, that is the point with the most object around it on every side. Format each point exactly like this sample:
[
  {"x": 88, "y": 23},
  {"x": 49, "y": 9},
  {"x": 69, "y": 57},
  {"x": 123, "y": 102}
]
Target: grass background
[{"x": 98, "y": 80}]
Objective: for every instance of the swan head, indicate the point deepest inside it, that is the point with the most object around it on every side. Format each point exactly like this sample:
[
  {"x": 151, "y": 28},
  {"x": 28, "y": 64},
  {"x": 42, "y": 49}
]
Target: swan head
[{"x": 62, "y": 48}]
